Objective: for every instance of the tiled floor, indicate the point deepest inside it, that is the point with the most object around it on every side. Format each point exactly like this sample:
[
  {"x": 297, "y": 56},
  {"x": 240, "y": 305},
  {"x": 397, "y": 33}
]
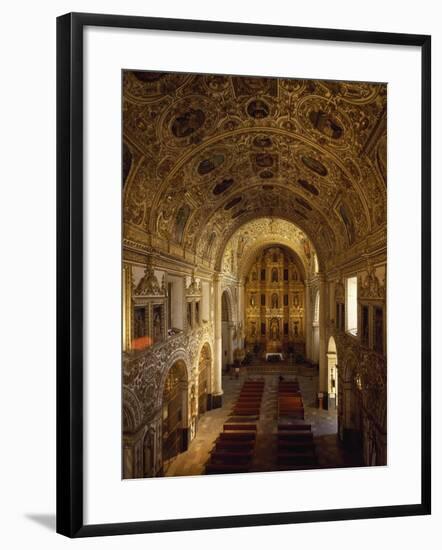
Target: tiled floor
[{"x": 324, "y": 424}]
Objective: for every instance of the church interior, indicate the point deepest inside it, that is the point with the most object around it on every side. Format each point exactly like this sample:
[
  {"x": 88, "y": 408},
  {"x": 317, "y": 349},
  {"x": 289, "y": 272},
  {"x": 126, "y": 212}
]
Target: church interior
[{"x": 254, "y": 264}]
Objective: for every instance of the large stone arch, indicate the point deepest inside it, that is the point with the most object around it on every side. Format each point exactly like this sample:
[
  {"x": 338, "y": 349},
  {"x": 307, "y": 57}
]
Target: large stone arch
[
  {"x": 176, "y": 356},
  {"x": 175, "y": 410},
  {"x": 132, "y": 411}
]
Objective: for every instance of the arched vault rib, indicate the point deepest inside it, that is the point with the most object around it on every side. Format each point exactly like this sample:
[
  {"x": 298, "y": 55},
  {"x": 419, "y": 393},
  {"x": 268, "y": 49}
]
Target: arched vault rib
[
  {"x": 250, "y": 193},
  {"x": 242, "y": 244}
]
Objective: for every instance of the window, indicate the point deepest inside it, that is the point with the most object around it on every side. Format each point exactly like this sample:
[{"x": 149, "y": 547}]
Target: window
[
  {"x": 263, "y": 299},
  {"x": 352, "y": 305},
  {"x": 286, "y": 299},
  {"x": 286, "y": 274},
  {"x": 263, "y": 328},
  {"x": 263, "y": 274},
  {"x": 286, "y": 328}
]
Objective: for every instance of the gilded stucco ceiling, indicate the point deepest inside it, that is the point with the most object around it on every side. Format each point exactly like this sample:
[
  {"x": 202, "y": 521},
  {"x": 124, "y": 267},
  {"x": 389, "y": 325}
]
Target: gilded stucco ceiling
[{"x": 204, "y": 154}]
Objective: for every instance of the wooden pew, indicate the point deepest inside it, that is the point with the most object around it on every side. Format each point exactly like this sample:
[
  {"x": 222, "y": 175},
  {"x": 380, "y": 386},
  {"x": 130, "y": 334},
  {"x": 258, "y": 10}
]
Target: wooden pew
[
  {"x": 239, "y": 427},
  {"x": 295, "y": 436},
  {"x": 294, "y": 427},
  {"x": 230, "y": 457},
  {"x": 237, "y": 436},
  {"x": 295, "y": 446},
  {"x": 232, "y": 444}
]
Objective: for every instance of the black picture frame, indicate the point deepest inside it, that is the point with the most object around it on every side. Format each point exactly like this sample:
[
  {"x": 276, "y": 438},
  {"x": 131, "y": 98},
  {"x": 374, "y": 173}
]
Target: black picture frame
[{"x": 70, "y": 273}]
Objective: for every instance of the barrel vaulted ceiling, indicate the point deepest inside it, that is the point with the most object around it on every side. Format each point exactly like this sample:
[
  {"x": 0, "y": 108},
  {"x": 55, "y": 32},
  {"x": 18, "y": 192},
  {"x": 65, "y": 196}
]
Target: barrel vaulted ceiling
[{"x": 205, "y": 154}]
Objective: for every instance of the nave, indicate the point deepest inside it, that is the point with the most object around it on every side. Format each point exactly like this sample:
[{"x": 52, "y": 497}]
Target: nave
[{"x": 329, "y": 452}]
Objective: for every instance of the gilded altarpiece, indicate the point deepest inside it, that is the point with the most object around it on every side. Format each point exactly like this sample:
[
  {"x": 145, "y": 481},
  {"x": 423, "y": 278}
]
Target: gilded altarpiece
[{"x": 274, "y": 292}]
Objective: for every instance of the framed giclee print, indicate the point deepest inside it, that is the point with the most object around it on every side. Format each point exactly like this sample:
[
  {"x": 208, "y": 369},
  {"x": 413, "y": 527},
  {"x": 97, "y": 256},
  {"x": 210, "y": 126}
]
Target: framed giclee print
[{"x": 243, "y": 303}]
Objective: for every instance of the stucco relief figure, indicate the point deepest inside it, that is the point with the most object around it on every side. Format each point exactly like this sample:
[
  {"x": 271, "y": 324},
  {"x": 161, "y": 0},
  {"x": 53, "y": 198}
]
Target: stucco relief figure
[
  {"x": 157, "y": 329},
  {"x": 274, "y": 301},
  {"x": 252, "y": 300},
  {"x": 193, "y": 402},
  {"x": 187, "y": 123},
  {"x": 274, "y": 329},
  {"x": 253, "y": 330},
  {"x": 180, "y": 222},
  {"x": 349, "y": 227}
]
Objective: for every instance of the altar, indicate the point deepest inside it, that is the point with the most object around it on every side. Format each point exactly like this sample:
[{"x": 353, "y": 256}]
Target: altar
[{"x": 274, "y": 356}]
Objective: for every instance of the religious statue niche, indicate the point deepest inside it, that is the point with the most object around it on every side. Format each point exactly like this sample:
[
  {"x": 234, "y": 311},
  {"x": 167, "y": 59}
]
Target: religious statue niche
[
  {"x": 197, "y": 313},
  {"x": 274, "y": 275},
  {"x": 189, "y": 314},
  {"x": 253, "y": 300},
  {"x": 378, "y": 329},
  {"x": 296, "y": 329},
  {"x": 296, "y": 299},
  {"x": 253, "y": 329},
  {"x": 180, "y": 222},
  {"x": 254, "y": 276},
  {"x": 274, "y": 329},
  {"x": 365, "y": 326},
  {"x": 274, "y": 301},
  {"x": 157, "y": 323},
  {"x": 139, "y": 322}
]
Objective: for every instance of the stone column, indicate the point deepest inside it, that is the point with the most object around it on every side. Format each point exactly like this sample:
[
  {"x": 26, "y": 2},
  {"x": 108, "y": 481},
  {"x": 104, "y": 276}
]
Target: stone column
[
  {"x": 308, "y": 321},
  {"x": 231, "y": 330},
  {"x": 217, "y": 390},
  {"x": 323, "y": 362}
]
